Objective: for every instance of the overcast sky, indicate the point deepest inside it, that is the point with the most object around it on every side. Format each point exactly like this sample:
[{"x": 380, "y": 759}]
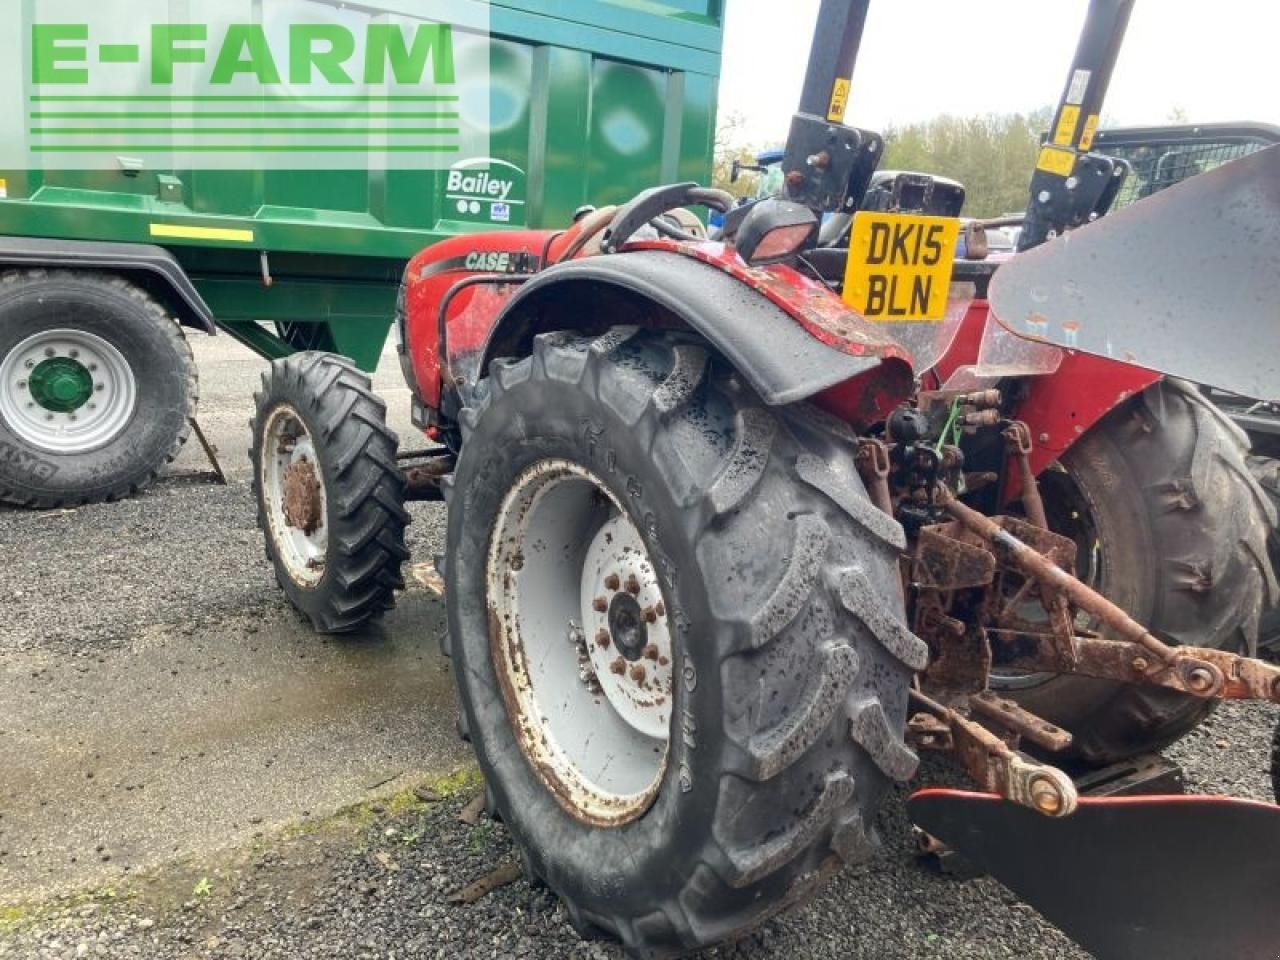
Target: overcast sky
[{"x": 920, "y": 58}]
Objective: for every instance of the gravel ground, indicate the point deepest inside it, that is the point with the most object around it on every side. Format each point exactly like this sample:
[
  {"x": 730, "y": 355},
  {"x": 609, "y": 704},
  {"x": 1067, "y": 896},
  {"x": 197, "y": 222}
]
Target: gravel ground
[{"x": 374, "y": 883}]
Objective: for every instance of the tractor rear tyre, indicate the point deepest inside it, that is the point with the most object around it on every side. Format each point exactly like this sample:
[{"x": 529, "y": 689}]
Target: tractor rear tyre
[
  {"x": 1173, "y": 527},
  {"x": 678, "y": 635},
  {"x": 1267, "y": 471},
  {"x": 1275, "y": 765},
  {"x": 330, "y": 494},
  {"x": 97, "y": 388}
]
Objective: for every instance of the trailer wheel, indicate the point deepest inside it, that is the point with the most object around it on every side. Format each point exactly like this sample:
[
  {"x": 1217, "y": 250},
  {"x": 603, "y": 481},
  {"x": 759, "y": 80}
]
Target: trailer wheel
[
  {"x": 330, "y": 494},
  {"x": 678, "y": 635},
  {"x": 1173, "y": 527},
  {"x": 97, "y": 388}
]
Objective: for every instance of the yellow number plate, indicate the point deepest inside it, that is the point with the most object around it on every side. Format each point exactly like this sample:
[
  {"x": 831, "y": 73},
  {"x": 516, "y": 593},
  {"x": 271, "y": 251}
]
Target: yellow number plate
[{"x": 900, "y": 267}]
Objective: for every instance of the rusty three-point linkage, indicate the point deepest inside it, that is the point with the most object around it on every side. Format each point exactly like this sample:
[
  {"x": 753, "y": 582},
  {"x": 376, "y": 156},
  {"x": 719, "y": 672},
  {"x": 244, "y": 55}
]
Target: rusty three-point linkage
[{"x": 973, "y": 579}]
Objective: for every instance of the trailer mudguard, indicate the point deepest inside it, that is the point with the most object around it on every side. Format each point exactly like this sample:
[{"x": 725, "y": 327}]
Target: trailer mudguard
[
  {"x": 161, "y": 273},
  {"x": 779, "y": 357}
]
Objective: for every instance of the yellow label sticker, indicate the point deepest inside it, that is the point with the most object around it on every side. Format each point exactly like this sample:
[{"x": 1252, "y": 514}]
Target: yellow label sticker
[
  {"x": 1067, "y": 124},
  {"x": 900, "y": 267},
  {"x": 1090, "y": 132},
  {"x": 1053, "y": 160},
  {"x": 4, "y": 189},
  {"x": 839, "y": 101},
  {"x": 175, "y": 231}
]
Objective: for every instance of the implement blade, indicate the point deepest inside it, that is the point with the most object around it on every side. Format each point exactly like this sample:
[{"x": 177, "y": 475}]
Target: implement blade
[
  {"x": 1186, "y": 282},
  {"x": 1129, "y": 878}
]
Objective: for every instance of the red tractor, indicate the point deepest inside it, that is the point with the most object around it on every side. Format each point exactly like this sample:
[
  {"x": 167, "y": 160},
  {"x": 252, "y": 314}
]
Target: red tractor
[{"x": 739, "y": 526}]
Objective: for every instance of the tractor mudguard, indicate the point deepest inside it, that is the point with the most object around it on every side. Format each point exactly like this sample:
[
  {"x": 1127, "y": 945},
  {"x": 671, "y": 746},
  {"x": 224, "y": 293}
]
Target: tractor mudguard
[
  {"x": 155, "y": 267},
  {"x": 789, "y": 341},
  {"x": 1185, "y": 282}
]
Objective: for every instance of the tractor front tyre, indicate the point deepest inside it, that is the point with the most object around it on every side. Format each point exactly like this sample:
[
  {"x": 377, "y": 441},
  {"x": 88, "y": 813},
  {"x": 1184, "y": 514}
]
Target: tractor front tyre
[
  {"x": 1173, "y": 527},
  {"x": 677, "y": 630},
  {"x": 97, "y": 388},
  {"x": 330, "y": 494}
]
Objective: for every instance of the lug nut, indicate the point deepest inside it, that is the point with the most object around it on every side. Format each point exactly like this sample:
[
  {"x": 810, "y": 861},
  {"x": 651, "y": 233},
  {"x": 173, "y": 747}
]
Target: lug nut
[
  {"x": 650, "y": 615},
  {"x": 1200, "y": 680},
  {"x": 601, "y": 605},
  {"x": 612, "y": 582},
  {"x": 638, "y": 673},
  {"x": 618, "y": 667},
  {"x": 99, "y": 387},
  {"x": 1047, "y": 797},
  {"x": 651, "y": 652},
  {"x": 74, "y": 354},
  {"x": 22, "y": 384},
  {"x": 50, "y": 352},
  {"x": 603, "y": 639},
  {"x": 633, "y": 585}
]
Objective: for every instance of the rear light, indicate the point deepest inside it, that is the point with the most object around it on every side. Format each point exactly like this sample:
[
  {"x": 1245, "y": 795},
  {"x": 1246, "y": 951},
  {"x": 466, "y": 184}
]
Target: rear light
[
  {"x": 781, "y": 243},
  {"x": 776, "y": 230}
]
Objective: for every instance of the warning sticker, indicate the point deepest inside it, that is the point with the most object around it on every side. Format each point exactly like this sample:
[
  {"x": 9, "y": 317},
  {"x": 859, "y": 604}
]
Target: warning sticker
[
  {"x": 1090, "y": 132},
  {"x": 839, "y": 101},
  {"x": 1053, "y": 160},
  {"x": 1065, "y": 135},
  {"x": 1079, "y": 86}
]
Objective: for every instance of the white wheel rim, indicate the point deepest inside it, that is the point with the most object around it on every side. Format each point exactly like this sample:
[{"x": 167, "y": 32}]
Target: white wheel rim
[
  {"x": 287, "y": 446},
  {"x": 91, "y": 424},
  {"x": 582, "y": 643}
]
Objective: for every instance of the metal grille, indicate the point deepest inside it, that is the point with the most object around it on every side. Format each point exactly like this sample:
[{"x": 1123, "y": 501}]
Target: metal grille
[{"x": 1157, "y": 166}]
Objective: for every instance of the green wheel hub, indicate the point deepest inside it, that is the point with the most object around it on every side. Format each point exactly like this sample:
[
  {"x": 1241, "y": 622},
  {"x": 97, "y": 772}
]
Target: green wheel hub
[{"x": 61, "y": 384}]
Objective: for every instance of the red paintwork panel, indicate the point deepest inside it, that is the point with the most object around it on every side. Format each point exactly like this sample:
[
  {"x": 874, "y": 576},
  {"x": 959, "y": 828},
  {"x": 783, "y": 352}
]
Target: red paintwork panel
[
  {"x": 429, "y": 278},
  {"x": 1060, "y": 407},
  {"x": 813, "y": 305},
  {"x": 435, "y": 271}
]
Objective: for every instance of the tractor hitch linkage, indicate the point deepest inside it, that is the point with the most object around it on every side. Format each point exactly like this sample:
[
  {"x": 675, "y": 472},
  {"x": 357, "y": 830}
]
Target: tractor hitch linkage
[{"x": 970, "y": 578}]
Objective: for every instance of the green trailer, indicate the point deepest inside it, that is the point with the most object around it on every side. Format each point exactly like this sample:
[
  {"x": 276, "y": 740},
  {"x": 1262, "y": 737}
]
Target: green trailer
[{"x": 590, "y": 101}]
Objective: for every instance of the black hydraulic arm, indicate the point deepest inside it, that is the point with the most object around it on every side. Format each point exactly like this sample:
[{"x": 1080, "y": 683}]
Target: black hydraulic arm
[
  {"x": 1070, "y": 183},
  {"x": 836, "y": 39},
  {"x": 829, "y": 165}
]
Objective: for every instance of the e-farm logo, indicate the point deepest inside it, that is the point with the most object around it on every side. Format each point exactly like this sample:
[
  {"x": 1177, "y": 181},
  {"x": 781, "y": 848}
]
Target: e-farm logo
[{"x": 246, "y": 84}]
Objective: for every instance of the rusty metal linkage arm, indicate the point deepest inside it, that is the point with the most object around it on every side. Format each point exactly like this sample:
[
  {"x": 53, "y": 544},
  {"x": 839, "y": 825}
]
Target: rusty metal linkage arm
[
  {"x": 1139, "y": 656},
  {"x": 991, "y": 762}
]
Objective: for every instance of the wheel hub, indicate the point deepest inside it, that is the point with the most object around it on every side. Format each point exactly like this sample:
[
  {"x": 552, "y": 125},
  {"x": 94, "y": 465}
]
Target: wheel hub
[
  {"x": 66, "y": 391},
  {"x": 580, "y": 640},
  {"x": 625, "y": 623},
  {"x": 294, "y": 496},
  {"x": 61, "y": 384},
  {"x": 301, "y": 501}
]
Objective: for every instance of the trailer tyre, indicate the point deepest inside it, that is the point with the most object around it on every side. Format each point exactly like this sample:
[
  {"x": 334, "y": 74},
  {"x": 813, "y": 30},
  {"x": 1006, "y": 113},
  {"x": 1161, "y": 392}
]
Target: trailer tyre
[
  {"x": 97, "y": 388},
  {"x": 1175, "y": 527},
  {"x": 329, "y": 491},
  {"x": 678, "y": 634}
]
